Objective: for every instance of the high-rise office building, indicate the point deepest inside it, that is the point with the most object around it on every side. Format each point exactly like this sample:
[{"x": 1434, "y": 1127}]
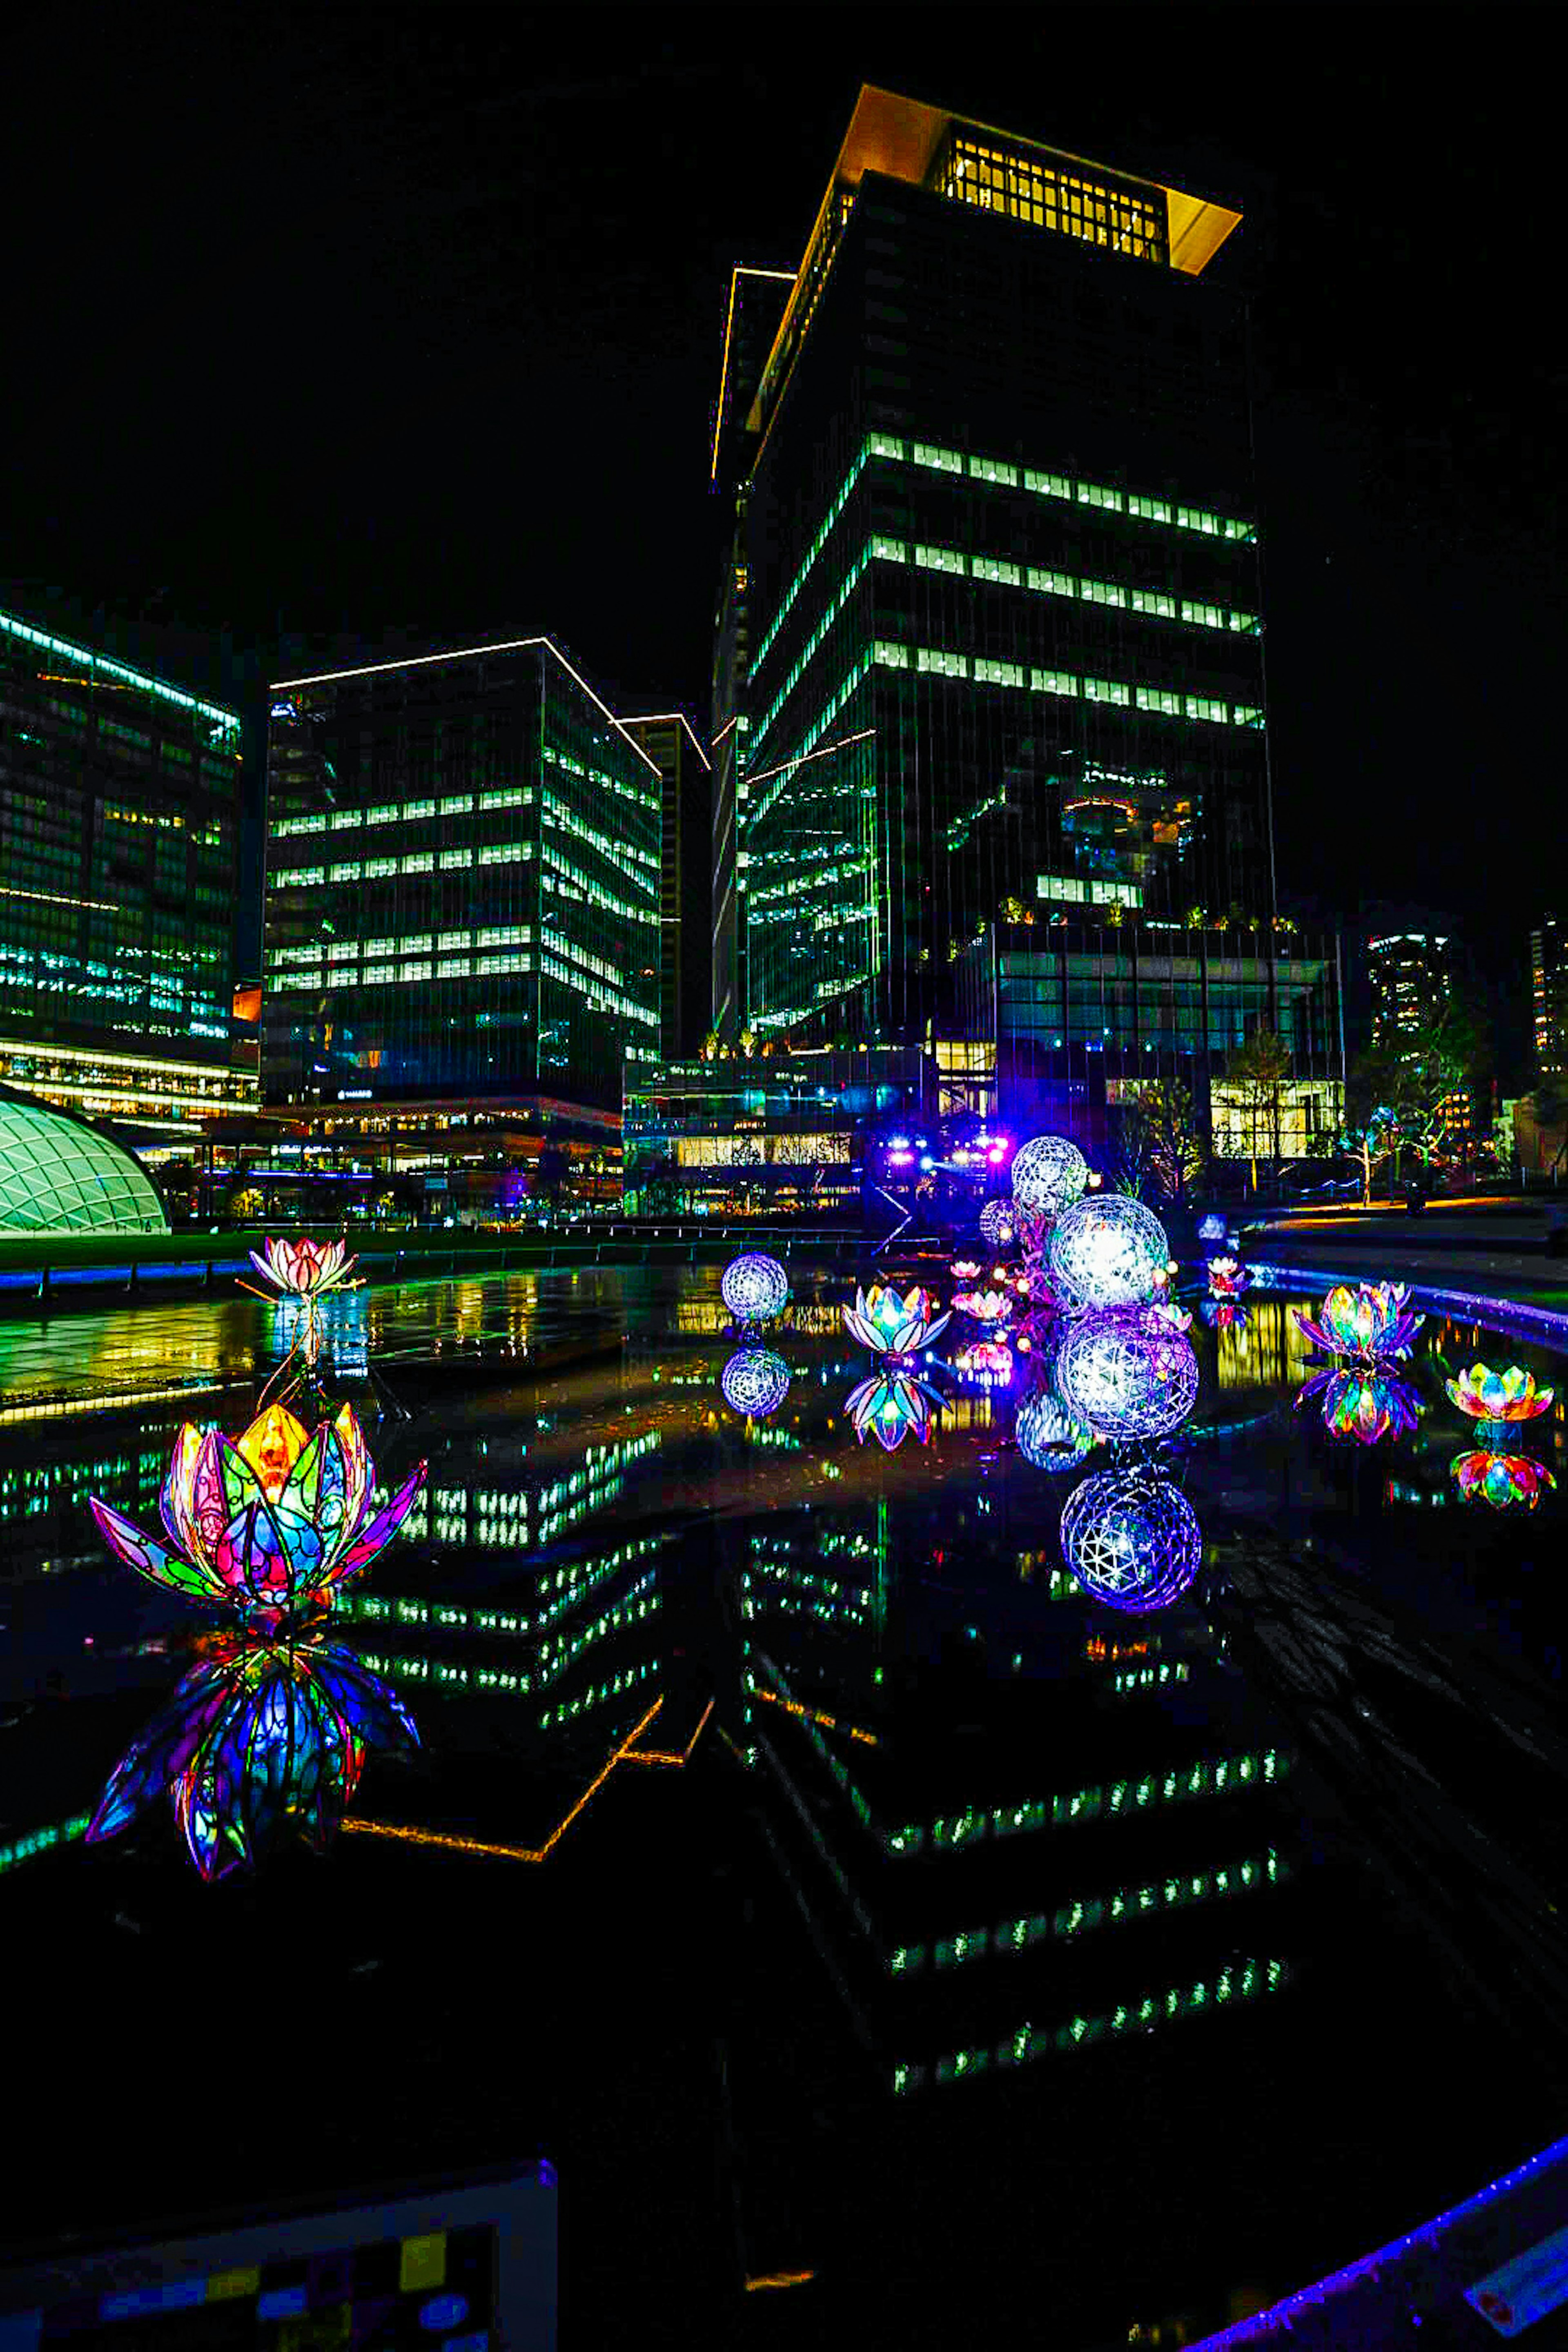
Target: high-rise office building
[
  {"x": 1006, "y": 661},
  {"x": 1411, "y": 976},
  {"x": 462, "y": 889},
  {"x": 1549, "y": 997},
  {"x": 685, "y": 881},
  {"x": 119, "y": 843}
]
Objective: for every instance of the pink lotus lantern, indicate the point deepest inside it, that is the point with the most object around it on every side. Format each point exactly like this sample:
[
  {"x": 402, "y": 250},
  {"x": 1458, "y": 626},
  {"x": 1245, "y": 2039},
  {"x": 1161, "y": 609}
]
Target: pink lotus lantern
[{"x": 304, "y": 1270}]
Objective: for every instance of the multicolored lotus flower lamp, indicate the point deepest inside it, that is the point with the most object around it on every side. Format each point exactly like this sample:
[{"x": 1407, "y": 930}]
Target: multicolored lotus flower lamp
[
  {"x": 1365, "y": 1401},
  {"x": 270, "y": 1527},
  {"x": 261, "y": 1740},
  {"x": 893, "y": 1325},
  {"x": 989, "y": 1307},
  {"x": 1228, "y": 1278},
  {"x": 304, "y": 1270},
  {"x": 1505, "y": 1481},
  {"x": 1367, "y": 1321},
  {"x": 893, "y": 1404},
  {"x": 1508, "y": 1396}
]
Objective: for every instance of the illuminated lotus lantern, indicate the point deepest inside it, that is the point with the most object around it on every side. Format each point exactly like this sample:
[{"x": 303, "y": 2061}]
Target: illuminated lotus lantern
[
  {"x": 1131, "y": 1540},
  {"x": 998, "y": 1224},
  {"x": 304, "y": 1270},
  {"x": 1128, "y": 1375},
  {"x": 1108, "y": 1251},
  {"x": 891, "y": 1324},
  {"x": 1228, "y": 1278},
  {"x": 988, "y": 1360},
  {"x": 990, "y": 1306},
  {"x": 1508, "y": 1396},
  {"x": 754, "y": 1382},
  {"x": 1505, "y": 1481},
  {"x": 1049, "y": 1173},
  {"x": 1365, "y": 1320},
  {"x": 270, "y": 1526},
  {"x": 754, "y": 1287},
  {"x": 893, "y": 1404},
  {"x": 1365, "y": 1401},
  {"x": 1047, "y": 1435},
  {"x": 261, "y": 1740},
  {"x": 965, "y": 1269}
]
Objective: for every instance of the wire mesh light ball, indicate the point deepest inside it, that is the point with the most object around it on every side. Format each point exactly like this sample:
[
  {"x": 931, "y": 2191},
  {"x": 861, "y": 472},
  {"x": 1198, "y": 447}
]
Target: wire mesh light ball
[
  {"x": 1109, "y": 1251},
  {"x": 754, "y": 1382},
  {"x": 1049, "y": 1173},
  {"x": 1048, "y": 1435},
  {"x": 998, "y": 1226},
  {"x": 754, "y": 1287},
  {"x": 1131, "y": 1538},
  {"x": 1127, "y": 1375}
]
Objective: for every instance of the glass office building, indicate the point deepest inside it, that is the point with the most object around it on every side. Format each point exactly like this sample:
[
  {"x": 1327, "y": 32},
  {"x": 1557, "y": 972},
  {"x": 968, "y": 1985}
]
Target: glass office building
[
  {"x": 1549, "y": 997},
  {"x": 686, "y": 901},
  {"x": 463, "y": 885},
  {"x": 119, "y": 872}
]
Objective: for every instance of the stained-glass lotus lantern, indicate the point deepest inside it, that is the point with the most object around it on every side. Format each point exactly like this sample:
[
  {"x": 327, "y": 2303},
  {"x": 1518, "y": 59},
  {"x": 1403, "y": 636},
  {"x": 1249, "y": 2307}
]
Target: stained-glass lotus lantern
[
  {"x": 1131, "y": 1538},
  {"x": 1228, "y": 1278},
  {"x": 304, "y": 1270},
  {"x": 990, "y": 1306},
  {"x": 891, "y": 1405},
  {"x": 998, "y": 1224},
  {"x": 1511, "y": 1395},
  {"x": 261, "y": 1739},
  {"x": 1048, "y": 1435},
  {"x": 1049, "y": 1173},
  {"x": 1365, "y": 1401},
  {"x": 754, "y": 1287},
  {"x": 270, "y": 1526},
  {"x": 891, "y": 1323},
  {"x": 754, "y": 1381},
  {"x": 1109, "y": 1251},
  {"x": 1128, "y": 1375},
  {"x": 1506, "y": 1481},
  {"x": 1363, "y": 1319}
]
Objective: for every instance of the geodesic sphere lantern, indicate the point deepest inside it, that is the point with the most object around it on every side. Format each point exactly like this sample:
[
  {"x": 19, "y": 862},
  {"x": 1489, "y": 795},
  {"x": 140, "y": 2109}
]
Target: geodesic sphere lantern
[
  {"x": 1131, "y": 1538},
  {"x": 997, "y": 1225},
  {"x": 1049, "y": 1173},
  {"x": 1128, "y": 1375},
  {"x": 754, "y": 1287},
  {"x": 1107, "y": 1250},
  {"x": 754, "y": 1382},
  {"x": 1048, "y": 1436}
]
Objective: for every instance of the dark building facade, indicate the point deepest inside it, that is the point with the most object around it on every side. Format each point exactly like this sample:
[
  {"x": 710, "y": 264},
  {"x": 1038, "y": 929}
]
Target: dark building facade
[
  {"x": 463, "y": 885},
  {"x": 1549, "y": 997},
  {"x": 686, "y": 883},
  {"x": 1005, "y": 644},
  {"x": 119, "y": 878}
]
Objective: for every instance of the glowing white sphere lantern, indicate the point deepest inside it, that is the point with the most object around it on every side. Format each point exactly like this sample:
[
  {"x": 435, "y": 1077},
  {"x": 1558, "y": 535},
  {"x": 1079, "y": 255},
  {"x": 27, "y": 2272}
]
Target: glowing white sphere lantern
[
  {"x": 1128, "y": 1375},
  {"x": 754, "y": 1381},
  {"x": 754, "y": 1287},
  {"x": 998, "y": 1226},
  {"x": 1049, "y": 1173},
  {"x": 1048, "y": 1435},
  {"x": 1131, "y": 1540},
  {"x": 1109, "y": 1251}
]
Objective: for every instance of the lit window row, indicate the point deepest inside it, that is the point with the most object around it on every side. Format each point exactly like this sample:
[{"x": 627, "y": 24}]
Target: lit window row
[
  {"x": 1048, "y": 581},
  {"x": 1208, "y": 1778},
  {"x": 602, "y": 778},
  {"x": 574, "y": 883},
  {"x": 601, "y": 998},
  {"x": 1020, "y": 1935},
  {"x": 941, "y": 661},
  {"x": 1100, "y": 495},
  {"x": 858, "y": 672},
  {"x": 811, "y": 552},
  {"x": 808, "y": 651},
  {"x": 556, "y": 813}
]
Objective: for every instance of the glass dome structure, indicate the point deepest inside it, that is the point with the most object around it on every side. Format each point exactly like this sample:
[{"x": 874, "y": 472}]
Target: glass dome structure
[{"x": 57, "y": 1175}]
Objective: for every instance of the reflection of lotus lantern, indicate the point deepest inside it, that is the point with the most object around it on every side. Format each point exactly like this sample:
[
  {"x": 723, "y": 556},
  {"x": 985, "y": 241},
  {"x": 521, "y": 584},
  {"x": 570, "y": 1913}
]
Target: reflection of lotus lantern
[
  {"x": 1364, "y": 1319},
  {"x": 1048, "y": 1174},
  {"x": 259, "y": 1738},
  {"x": 985, "y": 1360},
  {"x": 1367, "y": 1403},
  {"x": 1048, "y": 1435},
  {"x": 1504, "y": 1480},
  {"x": 1109, "y": 1251},
  {"x": 892, "y": 1325},
  {"x": 754, "y": 1382},
  {"x": 1131, "y": 1538},
  {"x": 891, "y": 1405},
  {"x": 754, "y": 1287},
  {"x": 304, "y": 1270},
  {"x": 1128, "y": 1375},
  {"x": 998, "y": 1226},
  {"x": 270, "y": 1526},
  {"x": 1487, "y": 1396}
]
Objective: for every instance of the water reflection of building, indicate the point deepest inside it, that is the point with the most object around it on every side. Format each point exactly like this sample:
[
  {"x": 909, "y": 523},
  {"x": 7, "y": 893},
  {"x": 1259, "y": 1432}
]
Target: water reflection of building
[{"x": 1263, "y": 1350}]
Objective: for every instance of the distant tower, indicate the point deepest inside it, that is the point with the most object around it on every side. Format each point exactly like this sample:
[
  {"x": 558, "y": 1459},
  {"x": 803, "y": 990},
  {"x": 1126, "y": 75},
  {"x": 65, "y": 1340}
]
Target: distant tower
[{"x": 1549, "y": 997}]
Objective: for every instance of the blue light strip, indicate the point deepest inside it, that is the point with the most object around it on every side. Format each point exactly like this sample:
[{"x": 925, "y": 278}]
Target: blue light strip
[{"x": 1279, "y": 2318}]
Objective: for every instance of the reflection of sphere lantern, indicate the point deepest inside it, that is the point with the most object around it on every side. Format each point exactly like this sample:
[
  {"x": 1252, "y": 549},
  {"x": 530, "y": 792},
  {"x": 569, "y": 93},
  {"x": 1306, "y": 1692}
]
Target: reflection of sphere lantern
[
  {"x": 1048, "y": 1174},
  {"x": 754, "y": 1287},
  {"x": 998, "y": 1226},
  {"x": 1131, "y": 1538},
  {"x": 1109, "y": 1251},
  {"x": 1128, "y": 1375},
  {"x": 754, "y": 1381},
  {"x": 1048, "y": 1436}
]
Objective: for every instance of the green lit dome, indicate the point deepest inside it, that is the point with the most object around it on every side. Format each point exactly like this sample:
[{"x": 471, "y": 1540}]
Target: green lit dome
[{"x": 57, "y": 1175}]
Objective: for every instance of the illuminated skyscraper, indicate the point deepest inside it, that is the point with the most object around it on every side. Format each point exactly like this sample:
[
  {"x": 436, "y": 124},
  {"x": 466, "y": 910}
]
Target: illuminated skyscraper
[
  {"x": 686, "y": 897},
  {"x": 1412, "y": 979},
  {"x": 1005, "y": 665},
  {"x": 462, "y": 888},
  {"x": 1549, "y": 999},
  {"x": 119, "y": 847}
]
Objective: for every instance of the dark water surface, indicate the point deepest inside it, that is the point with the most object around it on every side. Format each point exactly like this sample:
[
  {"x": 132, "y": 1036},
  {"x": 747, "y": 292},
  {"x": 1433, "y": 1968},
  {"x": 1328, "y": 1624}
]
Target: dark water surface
[{"x": 981, "y": 1942}]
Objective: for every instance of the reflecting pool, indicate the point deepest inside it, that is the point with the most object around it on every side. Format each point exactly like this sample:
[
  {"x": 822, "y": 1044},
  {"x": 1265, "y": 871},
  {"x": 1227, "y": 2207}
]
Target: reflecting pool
[{"x": 851, "y": 1813}]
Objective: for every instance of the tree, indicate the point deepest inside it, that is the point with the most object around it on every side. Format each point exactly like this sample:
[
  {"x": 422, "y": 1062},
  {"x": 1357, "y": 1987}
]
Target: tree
[
  {"x": 1258, "y": 1070},
  {"x": 1160, "y": 1140}
]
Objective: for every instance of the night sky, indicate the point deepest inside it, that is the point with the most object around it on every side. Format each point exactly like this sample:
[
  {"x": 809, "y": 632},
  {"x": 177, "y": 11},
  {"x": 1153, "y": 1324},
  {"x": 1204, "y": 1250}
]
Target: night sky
[{"x": 355, "y": 333}]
